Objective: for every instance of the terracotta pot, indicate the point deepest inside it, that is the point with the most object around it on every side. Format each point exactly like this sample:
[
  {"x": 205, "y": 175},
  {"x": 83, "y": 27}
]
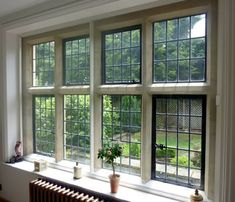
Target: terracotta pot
[{"x": 114, "y": 182}]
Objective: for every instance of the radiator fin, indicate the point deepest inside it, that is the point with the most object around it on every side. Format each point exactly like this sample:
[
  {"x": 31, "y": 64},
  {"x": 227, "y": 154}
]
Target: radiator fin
[{"x": 44, "y": 191}]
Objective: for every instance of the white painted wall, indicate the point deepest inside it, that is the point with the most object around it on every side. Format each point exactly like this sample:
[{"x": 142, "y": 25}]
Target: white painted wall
[
  {"x": 10, "y": 96},
  {"x": 1, "y": 91},
  {"x": 15, "y": 183}
]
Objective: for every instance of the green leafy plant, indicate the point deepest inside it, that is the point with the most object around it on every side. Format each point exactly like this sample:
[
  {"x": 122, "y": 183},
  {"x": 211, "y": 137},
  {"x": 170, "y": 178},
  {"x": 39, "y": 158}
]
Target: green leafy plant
[{"x": 109, "y": 153}]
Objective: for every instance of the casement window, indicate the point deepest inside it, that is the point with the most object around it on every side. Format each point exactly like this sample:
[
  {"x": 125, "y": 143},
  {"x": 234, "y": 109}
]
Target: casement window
[
  {"x": 77, "y": 128},
  {"x": 44, "y": 125},
  {"x": 179, "y": 139},
  {"x": 44, "y": 64},
  {"x": 122, "y": 123},
  {"x": 144, "y": 81},
  {"x": 122, "y": 56},
  {"x": 77, "y": 61},
  {"x": 180, "y": 49}
]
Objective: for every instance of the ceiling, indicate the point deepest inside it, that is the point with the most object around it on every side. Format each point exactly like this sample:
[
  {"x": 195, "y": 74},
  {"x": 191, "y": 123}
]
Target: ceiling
[
  {"x": 24, "y": 16},
  {"x": 10, "y": 6}
]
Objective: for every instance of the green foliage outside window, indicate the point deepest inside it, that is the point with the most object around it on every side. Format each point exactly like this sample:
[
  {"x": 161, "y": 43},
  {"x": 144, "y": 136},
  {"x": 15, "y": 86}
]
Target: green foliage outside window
[
  {"x": 44, "y": 125},
  {"x": 122, "y": 123},
  {"x": 122, "y": 56},
  {"x": 77, "y": 128},
  {"x": 43, "y": 64},
  {"x": 180, "y": 49},
  {"x": 77, "y": 61}
]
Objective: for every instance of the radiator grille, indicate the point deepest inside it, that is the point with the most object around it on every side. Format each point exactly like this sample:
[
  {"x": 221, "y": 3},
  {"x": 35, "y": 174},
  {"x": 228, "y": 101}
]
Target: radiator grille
[{"x": 44, "y": 190}]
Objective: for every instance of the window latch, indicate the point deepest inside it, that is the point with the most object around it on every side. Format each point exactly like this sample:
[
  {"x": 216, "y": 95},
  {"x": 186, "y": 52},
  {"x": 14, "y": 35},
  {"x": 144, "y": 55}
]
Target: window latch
[{"x": 160, "y": 146}]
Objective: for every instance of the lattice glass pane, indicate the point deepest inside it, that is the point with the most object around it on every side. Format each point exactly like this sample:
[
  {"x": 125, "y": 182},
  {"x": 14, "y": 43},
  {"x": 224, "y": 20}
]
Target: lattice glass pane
[
  {"x": 44, "y": 125},
  {"x": 179, "y": 139},
  {"x": 122, "y": 123},
  {"x": 43, "y": 64},
  {"x": 179, "y": 50},
  {"x": 77, "y": 128},
  {"x": 77, "y": 61},
  {"x": 122, "y": 56}
]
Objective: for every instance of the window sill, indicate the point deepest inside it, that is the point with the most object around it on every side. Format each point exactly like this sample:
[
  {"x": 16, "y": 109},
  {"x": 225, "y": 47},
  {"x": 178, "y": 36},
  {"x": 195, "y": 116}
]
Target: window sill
[{"x": 98, "y": 181}]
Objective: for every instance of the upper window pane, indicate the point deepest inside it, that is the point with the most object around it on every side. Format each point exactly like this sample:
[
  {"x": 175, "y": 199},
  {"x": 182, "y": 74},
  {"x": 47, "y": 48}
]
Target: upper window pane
[
  {"x": 122, "y": 56},
  {"x": 43, "y": 64},
  {"x": 179, "y": 50},
  {"x": 77, "y": 128},
  {"x": 44, "y": 125},
  {"x": 77, "y": 61}
]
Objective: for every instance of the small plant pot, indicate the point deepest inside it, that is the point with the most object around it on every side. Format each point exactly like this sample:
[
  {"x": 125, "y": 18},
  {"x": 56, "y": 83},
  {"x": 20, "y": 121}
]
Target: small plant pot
[{"x": 114, "y": 182}]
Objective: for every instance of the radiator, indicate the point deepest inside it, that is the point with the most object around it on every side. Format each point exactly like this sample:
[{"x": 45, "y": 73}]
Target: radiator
[{"x": 45, "y": 190}]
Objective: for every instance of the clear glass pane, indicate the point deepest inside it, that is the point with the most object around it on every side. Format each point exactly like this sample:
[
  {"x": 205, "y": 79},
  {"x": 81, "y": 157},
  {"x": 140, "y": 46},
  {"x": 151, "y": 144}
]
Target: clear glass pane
[
  {"x": 160, "y": 71},
  {"x": 198, "y": 70},
  {"x": 195, "y": 159},
  {"x": 184, "y": 28},
  {"x": 160, "y": 51},
  {"x": 183, "y": 70},
  {"x": 195, "y": 142},
  {"x": 172, "y": 29},
  {"x": 135, "y": 38},
  {"x": 172, "y": 71},
  {"x": 184, "y": 49},
  {"x": 117, "y": 40},
  {"x": 171, "y": 50},
  {"x": 160, "y": 31},
  {"x": 198, "y": 25},
  {"x": 183, "y": 139},
  {"x": 172, "y": 139},
  {"x": 108, "y": 41},
  {"x": 198, "y": 48}
]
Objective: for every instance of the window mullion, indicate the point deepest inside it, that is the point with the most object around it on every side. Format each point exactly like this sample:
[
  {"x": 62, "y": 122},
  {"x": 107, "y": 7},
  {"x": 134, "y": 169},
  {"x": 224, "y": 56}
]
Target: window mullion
[
  {"x": 146, "y": 123},
  {"x": 59, "y": 101},
  {"x": 95, "y": 99}
]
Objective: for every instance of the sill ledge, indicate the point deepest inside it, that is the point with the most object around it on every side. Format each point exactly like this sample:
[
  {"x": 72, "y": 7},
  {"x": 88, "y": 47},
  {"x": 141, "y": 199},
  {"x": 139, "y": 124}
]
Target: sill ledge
[{"x": 131, "y": 187}]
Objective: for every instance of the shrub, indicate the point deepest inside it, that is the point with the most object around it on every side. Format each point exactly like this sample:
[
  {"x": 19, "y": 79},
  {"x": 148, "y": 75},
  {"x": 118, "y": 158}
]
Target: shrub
[
  {"x": 182, "y": 161},
  {"x": 169, "y": 153}
]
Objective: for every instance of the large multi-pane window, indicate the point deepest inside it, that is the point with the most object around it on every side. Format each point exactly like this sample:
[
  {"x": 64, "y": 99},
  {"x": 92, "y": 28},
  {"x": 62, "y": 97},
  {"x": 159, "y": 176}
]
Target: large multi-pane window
[
  {"x": 77, "y": 128},
  {"x": 77, "y": 61},
  {"x": 44, "y": 125},
  {"x": 162, "y": 128},
  {"x": 179, "y": 139},
  {"x": 43, "y": 64},
  {"x": 122, "y": 56},
  {"x": 180, "y": 49},
  {"x": 122, "y": 123}
]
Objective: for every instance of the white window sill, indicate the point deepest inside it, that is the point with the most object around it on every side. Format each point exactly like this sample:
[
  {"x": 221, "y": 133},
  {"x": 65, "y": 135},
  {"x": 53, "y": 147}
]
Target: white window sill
[{"x": 131, "y": 187}]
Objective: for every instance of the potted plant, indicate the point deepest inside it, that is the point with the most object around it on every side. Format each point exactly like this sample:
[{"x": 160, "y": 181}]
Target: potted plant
[{"x": 109, "y": 153}]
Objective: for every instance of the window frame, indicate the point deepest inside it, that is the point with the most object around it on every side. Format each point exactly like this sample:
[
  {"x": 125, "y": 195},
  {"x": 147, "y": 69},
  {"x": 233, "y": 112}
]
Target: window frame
[
  {"x": 64, "y": 121},
  {"x": 120, "y": 139},
  {"x": 35, "y": 59},
  {"x": 34, "y": 124},
  {"x": 103, "y": 64},
  {"x": 203, "y": 98},
  {"x": 146, "y": 88},
  {"x": 177, "y": 40},
  {"x": 84, "y": 36}
]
